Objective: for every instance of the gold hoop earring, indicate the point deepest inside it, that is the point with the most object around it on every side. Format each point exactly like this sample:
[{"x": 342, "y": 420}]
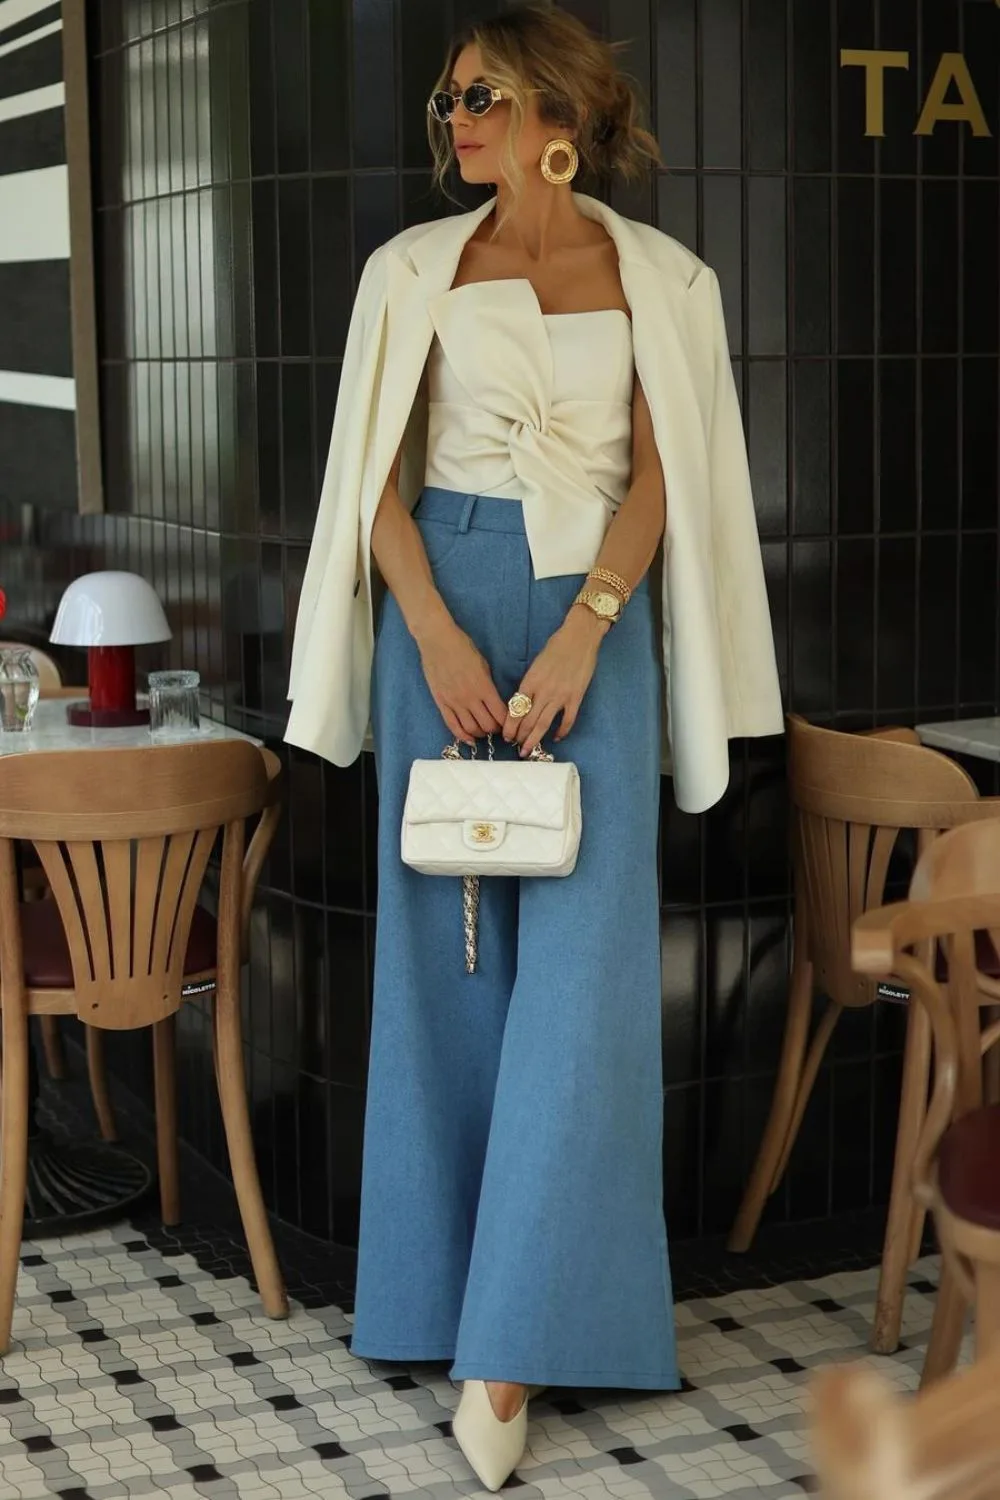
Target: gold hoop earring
[{"x": 572, "y": 161}]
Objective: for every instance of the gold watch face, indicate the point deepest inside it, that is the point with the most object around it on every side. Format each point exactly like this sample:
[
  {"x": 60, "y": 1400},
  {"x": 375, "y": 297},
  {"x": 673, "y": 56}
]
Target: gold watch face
[{"x": 606, "y": 605}]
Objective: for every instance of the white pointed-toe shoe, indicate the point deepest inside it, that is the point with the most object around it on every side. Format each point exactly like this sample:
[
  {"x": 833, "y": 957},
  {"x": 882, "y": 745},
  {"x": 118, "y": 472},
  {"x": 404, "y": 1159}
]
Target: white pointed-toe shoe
[{"x": 493, "y": 1448}]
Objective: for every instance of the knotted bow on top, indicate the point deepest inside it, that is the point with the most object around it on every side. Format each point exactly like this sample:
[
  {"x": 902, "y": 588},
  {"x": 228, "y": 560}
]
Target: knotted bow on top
[{"x": 544, "y": 410}]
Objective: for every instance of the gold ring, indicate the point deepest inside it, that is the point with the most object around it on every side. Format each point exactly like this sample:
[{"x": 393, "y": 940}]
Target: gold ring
[{"x": 519, "y": 706}]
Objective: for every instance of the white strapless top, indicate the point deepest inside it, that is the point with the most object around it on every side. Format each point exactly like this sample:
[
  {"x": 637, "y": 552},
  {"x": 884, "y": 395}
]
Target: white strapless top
[{"x": 532, "y": 407}]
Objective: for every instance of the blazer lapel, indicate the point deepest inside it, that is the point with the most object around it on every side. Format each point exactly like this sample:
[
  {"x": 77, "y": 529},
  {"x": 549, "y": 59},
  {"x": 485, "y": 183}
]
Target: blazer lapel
[
  {"x": 415, "y": 274},
  {"x": 663, "y": 361}
]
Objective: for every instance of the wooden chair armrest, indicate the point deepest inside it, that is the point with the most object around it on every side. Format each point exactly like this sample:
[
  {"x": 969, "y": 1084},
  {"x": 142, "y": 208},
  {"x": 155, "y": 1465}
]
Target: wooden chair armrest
[{"x": 874, "y": 942}]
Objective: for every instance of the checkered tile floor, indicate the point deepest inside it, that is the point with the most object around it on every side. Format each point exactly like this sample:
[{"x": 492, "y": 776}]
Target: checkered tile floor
[{"x": 137, "y": 1371}]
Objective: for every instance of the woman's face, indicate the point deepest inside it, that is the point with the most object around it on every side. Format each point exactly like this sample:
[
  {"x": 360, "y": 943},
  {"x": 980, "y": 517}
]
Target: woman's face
[{"x": 480, "y": 139}]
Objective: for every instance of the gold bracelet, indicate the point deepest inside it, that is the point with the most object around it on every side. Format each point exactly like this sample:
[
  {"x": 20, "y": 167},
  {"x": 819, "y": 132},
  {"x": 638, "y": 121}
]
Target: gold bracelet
[{"x": 616, "y": 581}]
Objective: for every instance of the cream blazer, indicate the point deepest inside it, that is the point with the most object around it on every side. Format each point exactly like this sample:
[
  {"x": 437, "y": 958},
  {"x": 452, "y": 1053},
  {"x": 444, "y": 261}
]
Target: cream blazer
[{"x": 718, "y": 650}]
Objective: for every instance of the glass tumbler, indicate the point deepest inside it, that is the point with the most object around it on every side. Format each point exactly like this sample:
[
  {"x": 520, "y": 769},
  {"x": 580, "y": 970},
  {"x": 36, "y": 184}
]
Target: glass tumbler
[
  {"x": 18, "y": 688},
  {"x": 173, "y": 705}
]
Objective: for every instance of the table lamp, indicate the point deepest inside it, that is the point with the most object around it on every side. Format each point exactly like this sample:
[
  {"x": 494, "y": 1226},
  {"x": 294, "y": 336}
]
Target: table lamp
[{"x": 110, "y": 613}]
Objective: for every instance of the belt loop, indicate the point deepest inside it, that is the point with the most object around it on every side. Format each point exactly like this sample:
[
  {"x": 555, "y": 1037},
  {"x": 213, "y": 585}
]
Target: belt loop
[{"x": 467, "y": 509}]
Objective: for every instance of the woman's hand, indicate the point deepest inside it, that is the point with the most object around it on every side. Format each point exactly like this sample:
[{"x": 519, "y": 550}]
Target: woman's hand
[
  {"x": 558, "y": 678},
  {"x": 460, "y": 680}
]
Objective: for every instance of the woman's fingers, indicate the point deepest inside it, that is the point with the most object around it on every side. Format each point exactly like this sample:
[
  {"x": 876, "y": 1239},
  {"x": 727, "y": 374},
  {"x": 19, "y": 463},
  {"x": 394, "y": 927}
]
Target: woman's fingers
[
  {"x": 495, "y": 705},
  {"x": 468, "y": 723},
  {"x": 541, "y": 727},
  {"x": 512, "y": 727},
  {"x": 483, "y": 718},
  {"x": 451, "y": 723},
  {"x": 568, "y": 719}
]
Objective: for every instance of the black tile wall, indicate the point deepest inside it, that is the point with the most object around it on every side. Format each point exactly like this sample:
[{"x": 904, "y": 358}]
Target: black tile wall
[{"x": 248, "y": 155}]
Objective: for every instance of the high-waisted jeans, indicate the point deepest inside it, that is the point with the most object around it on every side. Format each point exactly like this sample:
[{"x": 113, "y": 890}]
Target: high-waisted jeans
[{"x": 512, "y": 1199}]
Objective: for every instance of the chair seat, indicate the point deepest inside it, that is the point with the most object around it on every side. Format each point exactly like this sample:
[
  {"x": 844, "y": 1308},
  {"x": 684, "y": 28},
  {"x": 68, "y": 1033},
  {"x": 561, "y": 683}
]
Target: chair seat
[
  {"x": 969, "y": 1168},
  {"x": 46, "y": 952}
]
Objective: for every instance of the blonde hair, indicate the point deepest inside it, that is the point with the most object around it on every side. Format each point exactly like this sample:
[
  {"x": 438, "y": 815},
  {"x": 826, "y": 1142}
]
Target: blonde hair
[{"x": 538, "y": 48}]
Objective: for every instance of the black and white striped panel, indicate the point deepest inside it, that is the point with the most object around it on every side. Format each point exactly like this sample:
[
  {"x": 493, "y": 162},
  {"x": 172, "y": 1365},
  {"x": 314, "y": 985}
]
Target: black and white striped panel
[{"x": 37, "y": 397}]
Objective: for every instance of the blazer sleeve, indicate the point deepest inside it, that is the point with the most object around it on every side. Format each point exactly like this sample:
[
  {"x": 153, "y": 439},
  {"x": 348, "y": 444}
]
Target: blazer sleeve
[
  {"x": 329, "y": 582},
  {"x": 753, "y": 692}
]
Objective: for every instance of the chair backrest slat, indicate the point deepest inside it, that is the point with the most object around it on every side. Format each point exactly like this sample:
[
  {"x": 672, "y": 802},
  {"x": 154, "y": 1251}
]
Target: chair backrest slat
[{"x": 125, "y": 838}]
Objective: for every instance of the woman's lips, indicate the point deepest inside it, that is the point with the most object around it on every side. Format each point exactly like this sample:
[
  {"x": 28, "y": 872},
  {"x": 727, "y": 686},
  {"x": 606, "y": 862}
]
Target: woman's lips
[{"x": 467, "y": 148}]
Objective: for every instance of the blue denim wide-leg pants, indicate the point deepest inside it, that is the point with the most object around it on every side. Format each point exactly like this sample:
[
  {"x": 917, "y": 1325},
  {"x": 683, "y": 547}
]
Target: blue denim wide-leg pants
[{"x": 512, "y": 1201}]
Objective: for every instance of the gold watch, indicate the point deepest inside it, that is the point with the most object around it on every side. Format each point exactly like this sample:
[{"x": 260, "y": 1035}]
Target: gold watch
[{"x": 605, "y": 606}]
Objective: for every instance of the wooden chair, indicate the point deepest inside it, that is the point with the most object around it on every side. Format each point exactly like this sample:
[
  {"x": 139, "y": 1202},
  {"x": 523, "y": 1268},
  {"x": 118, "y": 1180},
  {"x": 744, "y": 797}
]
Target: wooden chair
[
  {"x": 125, "y": 837},
  {"x": 50, "y": 685},
  {"x": 47, "y": 936},
  {"x": 852, "y": 796},
  {"x": 954, "y": 901},
  {"x": 871, "y": 1443}
]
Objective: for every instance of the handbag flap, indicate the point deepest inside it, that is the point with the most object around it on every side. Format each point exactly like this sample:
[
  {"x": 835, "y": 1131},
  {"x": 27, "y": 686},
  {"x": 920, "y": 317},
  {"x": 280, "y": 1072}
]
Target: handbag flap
[{"x": 533, "y": 794}]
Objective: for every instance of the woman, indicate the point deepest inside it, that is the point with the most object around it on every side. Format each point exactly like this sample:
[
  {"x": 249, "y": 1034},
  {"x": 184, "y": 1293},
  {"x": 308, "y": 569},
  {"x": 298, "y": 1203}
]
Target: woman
[{"x": 532, "y": 395}]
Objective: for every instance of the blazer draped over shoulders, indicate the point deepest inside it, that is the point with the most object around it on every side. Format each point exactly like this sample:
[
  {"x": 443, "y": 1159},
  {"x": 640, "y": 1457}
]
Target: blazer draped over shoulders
[{"x": 721, "y": 679}]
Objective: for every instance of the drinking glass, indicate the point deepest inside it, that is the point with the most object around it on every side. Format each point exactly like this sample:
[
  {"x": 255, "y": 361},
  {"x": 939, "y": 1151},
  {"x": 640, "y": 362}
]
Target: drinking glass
[
  {"x": 18, "y": 688},
  {"x": 173, "y": 705}
]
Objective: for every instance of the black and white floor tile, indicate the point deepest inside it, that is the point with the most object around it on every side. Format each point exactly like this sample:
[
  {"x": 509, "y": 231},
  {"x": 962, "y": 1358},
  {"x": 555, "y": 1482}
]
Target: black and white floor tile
[{"x": 143, "y": 1366}]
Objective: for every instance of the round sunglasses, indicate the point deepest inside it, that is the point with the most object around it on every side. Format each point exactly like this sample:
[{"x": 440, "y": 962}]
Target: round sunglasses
[{"x": 478, "y": 98}]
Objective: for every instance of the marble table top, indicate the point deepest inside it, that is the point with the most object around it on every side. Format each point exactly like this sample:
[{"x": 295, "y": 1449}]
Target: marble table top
[
  {"x": 979, "y": 737},
  {"x": 51, "y": 731}
]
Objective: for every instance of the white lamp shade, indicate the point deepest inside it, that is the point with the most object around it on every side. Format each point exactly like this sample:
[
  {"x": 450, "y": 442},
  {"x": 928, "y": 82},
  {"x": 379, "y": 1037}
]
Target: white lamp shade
[{"x": 109, "y": 609}]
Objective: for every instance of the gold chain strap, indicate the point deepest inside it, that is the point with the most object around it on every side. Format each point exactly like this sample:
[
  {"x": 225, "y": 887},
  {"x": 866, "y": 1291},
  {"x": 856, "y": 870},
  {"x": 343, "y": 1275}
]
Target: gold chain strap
[{"x": 616, "y": 581}]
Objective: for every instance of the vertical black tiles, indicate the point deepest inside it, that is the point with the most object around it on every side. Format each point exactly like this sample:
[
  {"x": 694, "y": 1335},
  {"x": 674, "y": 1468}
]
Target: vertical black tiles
[
  {"x": 811, "y": 444},
  {"x": 332, "y": 282},
  {"x": 767, "y": 86},
  {"x": 291, "y": 86},
  {"x": 677, "y": 83},
  {"x": 262, "y": 87},
  {"x": 897, "y": 445},
  {"x": 810, "y": 264},
  {"x": 897, "y": 252},
  {"x": 295, "y": 311},
  {"x": 329, "y": 84},
  {"x": 721, "y": 79},
  {"x": 813, "y": 67},
  {"x": 297, "y": 450},
  {"x": 811, "y": 626},
  {"x": 374, "y": 84},
  {"x": 768, "y": 276},
  {"x": 768, "y": 442},
  {"x": 855, "y": 445}
]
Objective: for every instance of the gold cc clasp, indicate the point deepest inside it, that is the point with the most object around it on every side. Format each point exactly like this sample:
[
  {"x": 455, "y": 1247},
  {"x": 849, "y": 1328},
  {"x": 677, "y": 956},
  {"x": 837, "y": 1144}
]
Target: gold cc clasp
[{"x": 483, "y": 833}]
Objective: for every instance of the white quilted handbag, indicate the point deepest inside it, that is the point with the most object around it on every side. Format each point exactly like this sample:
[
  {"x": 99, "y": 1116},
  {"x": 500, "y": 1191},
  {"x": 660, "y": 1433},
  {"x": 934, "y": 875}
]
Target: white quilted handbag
[{"x": 490, "y": 817}]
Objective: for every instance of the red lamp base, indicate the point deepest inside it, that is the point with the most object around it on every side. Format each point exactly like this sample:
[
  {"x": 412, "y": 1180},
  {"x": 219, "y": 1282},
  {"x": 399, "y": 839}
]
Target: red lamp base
[
  {"x": 83, "y": 716},
  {"x": 111, "y": 674}
]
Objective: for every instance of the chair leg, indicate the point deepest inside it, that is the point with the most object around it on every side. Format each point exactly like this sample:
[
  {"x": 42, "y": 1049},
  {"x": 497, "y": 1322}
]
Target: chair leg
[
  {"x": 897, "y": 1249},
  {"x": 52, "y": 1046},
  {"x": 987, "y": 1308},
  {"x": 786, "y": 1090},
  {"x": 98, "y": 1074},
  {"x": 165, "y": 1093},
  {"x": 246, "y": 1180},
  {"x": 946, "y": 1329},
  {"x": 13, "y": 1166}
]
